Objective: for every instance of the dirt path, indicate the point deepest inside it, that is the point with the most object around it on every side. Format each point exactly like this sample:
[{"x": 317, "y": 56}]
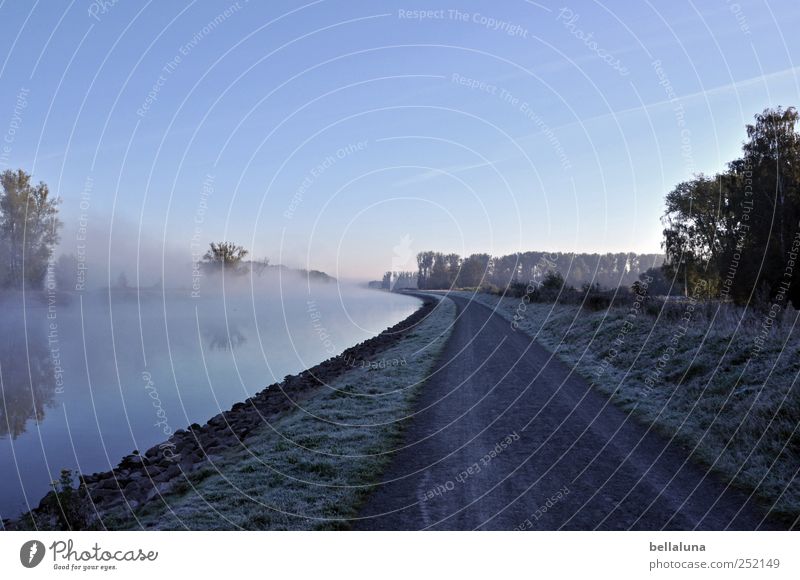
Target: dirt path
[{"x": 507, "y": 438}]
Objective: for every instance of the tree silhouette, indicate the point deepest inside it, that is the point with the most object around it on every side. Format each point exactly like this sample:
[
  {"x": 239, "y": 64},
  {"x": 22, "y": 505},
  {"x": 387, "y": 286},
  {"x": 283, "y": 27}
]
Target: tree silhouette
[{"x": 224, "y": 256}]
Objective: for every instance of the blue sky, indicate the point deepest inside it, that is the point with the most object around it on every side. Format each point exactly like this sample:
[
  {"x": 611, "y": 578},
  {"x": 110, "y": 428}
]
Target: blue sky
[{"x": 323, "y": 134}]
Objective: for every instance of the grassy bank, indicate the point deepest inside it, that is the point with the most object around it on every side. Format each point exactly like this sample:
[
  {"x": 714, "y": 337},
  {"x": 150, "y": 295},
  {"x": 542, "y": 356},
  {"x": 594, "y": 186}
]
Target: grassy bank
[
  {"x": 312, "y": 466},
  {"x": 721, "y": 380}
]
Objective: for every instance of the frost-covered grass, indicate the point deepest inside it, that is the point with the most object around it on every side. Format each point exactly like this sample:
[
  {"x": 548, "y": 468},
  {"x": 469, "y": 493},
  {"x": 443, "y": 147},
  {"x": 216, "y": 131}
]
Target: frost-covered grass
[
  {"x": 696, "y": 371},
  {"x": 311, "y": 468}
]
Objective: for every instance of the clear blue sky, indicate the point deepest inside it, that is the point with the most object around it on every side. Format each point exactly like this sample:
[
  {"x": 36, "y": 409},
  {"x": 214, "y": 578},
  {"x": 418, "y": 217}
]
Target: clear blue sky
[{"x": 570, "y": 142}]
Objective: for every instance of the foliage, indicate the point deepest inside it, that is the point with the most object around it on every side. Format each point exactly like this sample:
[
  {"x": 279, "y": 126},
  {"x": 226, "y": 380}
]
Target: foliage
[
  {"x": 29, "y": 227},
  {"x": 655, "y": 282},
  {"x": 737, "y": 233}
]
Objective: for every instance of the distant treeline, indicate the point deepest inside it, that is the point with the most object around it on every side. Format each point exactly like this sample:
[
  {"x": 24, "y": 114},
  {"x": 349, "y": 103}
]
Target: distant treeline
[
  {"x": 734, "y": 236},
  {"x": 437, "y": 271}
]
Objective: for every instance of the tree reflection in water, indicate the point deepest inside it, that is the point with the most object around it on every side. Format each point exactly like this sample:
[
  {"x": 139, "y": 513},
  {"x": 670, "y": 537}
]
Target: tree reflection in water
[
  {"x": 27, "y": 382},
  {"x": 222, "y": 338}
]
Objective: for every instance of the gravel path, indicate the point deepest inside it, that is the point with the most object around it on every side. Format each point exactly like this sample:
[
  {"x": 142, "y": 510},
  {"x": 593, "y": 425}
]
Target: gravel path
[{"x": 505, "y": 437}]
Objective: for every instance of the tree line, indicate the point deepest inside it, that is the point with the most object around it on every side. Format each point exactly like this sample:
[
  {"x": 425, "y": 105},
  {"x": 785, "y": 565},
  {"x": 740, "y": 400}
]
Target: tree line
[
  {"x": 438, "y": 271},
  {"x": 733, "y": 236}
]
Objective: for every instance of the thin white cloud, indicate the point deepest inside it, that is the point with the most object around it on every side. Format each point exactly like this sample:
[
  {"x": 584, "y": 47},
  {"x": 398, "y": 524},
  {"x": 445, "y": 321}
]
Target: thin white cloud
[{"x": 442, "y": 172}]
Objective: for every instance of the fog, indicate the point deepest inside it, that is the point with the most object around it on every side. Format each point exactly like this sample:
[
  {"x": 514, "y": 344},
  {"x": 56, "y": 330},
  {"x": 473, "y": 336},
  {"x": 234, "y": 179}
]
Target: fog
[{"x": 89, "y": 375}]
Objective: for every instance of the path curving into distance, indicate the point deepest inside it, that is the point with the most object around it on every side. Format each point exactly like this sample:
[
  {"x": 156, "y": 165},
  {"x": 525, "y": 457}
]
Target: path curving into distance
[{"x": 506, "y": 437}]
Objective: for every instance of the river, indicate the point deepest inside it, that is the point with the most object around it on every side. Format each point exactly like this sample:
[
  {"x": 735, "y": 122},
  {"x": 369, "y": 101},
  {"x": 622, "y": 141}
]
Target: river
[{"x": 89, "y": 377}]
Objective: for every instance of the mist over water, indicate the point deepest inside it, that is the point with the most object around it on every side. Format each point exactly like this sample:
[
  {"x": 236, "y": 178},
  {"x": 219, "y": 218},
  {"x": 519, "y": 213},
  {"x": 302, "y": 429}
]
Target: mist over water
[{"x": 88, "y": 377}]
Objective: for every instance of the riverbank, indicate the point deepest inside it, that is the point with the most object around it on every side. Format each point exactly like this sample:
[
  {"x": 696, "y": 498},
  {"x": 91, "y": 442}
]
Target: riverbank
[
  {"x": 702, "y": 374},
  {"x": 301, "y": 454}
]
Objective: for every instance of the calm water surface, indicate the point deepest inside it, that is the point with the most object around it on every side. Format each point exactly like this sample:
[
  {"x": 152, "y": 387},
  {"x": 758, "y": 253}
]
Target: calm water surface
[{"x": 97, "y": 375}]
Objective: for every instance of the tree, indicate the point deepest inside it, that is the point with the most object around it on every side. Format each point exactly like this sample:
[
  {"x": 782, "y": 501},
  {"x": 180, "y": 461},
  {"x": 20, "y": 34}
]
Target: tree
[
  {"x": 553, "y": 281},
  {"x": 738, "y": 232},
  {"x": 772, "y": 155},
  {"x": 692, "y": 236},
  {"x": 224, "y": 256},
  {"x": 475, "y": 270},
  {"x": 653, "y": 282},
  {"x": 425, "y": 264},
  {"x": 29, "y": 227}
]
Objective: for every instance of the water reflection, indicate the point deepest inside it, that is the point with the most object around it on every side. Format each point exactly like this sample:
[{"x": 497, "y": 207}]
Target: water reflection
[
  {"x": 199, "y": 356},
  {"x": 219, "y": 337},
  {"x": 27, "y": 380}
]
